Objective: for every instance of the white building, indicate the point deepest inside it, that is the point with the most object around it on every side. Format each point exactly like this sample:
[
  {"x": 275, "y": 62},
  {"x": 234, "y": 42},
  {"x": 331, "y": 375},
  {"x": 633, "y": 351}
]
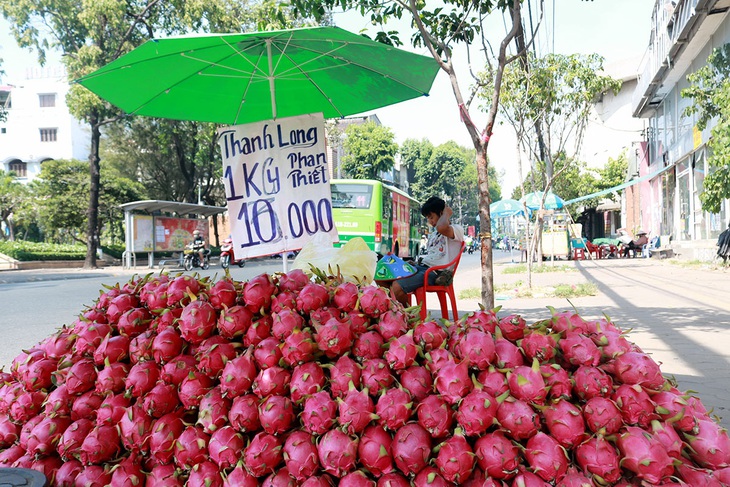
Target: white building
[
  {"x": 39, "y": 126},
  {"x": 683, "y": 35}
]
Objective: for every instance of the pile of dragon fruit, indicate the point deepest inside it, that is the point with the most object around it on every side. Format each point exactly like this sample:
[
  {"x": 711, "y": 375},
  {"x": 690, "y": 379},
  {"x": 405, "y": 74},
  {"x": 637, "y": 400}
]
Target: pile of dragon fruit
[{"x": 283, "y": 380}]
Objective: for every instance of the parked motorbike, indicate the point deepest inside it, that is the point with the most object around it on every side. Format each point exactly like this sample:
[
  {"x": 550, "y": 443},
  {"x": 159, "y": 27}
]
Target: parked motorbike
[
  {"x": 192, "y": 259},
  {"x": 227, "y": 255}
]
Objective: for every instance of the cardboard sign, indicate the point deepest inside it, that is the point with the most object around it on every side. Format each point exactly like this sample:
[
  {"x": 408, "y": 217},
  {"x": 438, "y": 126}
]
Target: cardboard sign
[{"x": 277, "y": 184}]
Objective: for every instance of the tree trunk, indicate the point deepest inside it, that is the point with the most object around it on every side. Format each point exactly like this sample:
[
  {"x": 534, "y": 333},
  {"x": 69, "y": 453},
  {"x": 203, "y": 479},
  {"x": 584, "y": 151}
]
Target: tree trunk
[
  {"x": 92, "y": 234},
  {"x": 485, "y": 228}
]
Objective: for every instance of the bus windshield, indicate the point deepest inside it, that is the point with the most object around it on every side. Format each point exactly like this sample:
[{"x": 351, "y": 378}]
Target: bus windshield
[{"x": 351, "y": 195}]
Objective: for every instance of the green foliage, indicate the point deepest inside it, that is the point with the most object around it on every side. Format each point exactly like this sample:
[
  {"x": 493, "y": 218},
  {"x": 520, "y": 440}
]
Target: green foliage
[
  {"x": 370, "y": 149},
  {"x": 59, "y": 199},
  {"x": 710, "y": 91},
  {"x": 171, "y": 158},
  {"x": 12, "y": 194},
  {"x": 28, "y": 251}
]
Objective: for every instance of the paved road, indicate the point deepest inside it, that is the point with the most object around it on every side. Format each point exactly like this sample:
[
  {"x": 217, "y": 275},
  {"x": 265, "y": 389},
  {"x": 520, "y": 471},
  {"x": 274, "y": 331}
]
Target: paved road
[{"x": 681, "y": 316}]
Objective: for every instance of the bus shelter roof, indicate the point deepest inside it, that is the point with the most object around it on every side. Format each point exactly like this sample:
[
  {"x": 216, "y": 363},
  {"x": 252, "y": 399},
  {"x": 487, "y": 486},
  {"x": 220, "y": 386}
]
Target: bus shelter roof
[{"x": 152, "y": 206}]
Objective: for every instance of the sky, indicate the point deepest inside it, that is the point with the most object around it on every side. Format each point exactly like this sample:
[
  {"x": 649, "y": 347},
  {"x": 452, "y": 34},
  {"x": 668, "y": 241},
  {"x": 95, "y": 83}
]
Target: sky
[{"x": 615, "y": 29}]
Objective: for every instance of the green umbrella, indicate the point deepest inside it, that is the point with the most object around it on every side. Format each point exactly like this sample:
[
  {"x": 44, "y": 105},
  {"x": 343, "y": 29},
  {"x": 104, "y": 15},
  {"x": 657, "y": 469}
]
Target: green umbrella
[{"x": 242, "y": 78}]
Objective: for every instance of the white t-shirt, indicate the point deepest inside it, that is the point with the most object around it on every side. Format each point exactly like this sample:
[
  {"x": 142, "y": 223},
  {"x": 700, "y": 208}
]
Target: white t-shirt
[{"x": 441, "y": 250}]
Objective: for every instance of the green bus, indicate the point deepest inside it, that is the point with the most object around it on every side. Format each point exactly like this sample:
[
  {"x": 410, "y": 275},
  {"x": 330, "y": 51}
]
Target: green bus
[{"x": 385, "y": 217}]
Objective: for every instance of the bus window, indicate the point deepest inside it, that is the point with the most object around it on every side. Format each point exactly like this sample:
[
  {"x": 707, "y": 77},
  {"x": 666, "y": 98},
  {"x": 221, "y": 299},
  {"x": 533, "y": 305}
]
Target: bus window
[{"x": 351, "y": 195}]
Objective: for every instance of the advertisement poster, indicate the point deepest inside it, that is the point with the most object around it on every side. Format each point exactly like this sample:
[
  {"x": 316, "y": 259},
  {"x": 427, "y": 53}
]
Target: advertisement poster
[
  {"x": 142, "y": 233},
  {"x": 173, "y": 234},
  {"x": 277, "y": 185}
]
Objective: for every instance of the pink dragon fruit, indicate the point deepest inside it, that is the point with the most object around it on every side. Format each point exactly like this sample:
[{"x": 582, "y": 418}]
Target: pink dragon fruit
[
  {"x": 356, "y": 479},
  {"x": 359, "y": 322},
  {"x": 112, "y": 349},
  {"x": 234, "y": 322},
  {"x": 376, "y": 376},
  {"x": 393, "y": 479},
  {"x": 513, "y": 327},
  {"x": 497, "y": 455},
  {"x": 345, "y": 297},
  {"x": 417, "y": 381},
  {"x": 602, "y": 416},
  {"x": 306, "y": 379},
  {"x": 45, "y": 435},
  {"x": 356, "y": 410},
  {"x": 557, "y": 381},
  {"x": 100, "y": 445},
  {"x": 193, "y": 388},
  {"x": 244, "y": 414},
  {"x": 429, "y": 335},
  {"x": 276, "y": 414},
  {"x": 546, "y": 457},
  {"x": 311, "y": 297},
  {"x": 394, "y": 408},
  {"x": 197, "y": 322},
  {"x": 205, "y": 474},
  {"x": 578, "y": 349},
  {"x": 112, "y": 409},
  {"x": 591, "y": 382},
  {"x": 643, "y": 455},
  {"x": 191, "y": 447},
  {"x": 334, "y": 338},
  {"x": 285, "y": 322},
  {"x": 120, "y": 305},
  {"x": 476, "y": 412},
  {"x": 675, "y": 409},
  {"x": 86, "y": 405},
  {"x": 638, "y": 368},
  {"x": 435, "y": 416},
  {"x": 81, "y": 377},
  {"x": 368, "y": 345},
  {"x": 140, "y": 347},
  {"x": 374, "y": 301},
  {"x": 167, "y": 345},
  {"x": 66, "y": 475},
  {"x": 538, "y": 346},
  {"x": 452, "y": 381},
  {"x": 485, "y": 320},
  {"x": 598, "y": 457},
  {"x": 667, "y": 436},
  {"x": 298, "y": 347},
  {"x": 710, "y": 446},
  {"x": 180, "y": 289},
  {"x": 267, "y": 353},
  {"x": 239, "y": 477},
  {"x": 27, "y": 405},
  {"x": 517, "y": 418},
  {"x": 111, "y": 378},
  {"x": 300, "y": 455},
  {"x": 392, "y": 324},
  {"x": 455, "y": 458},
  {"x": 319, "y": 413},
  {"x": 564, "y": 420},
  {"x": 402, "y": 352},
  {"x": 509, "y": 355},
  {"x": 163, "y": 436},
  {"x": 635, "y": 404},
  {"x": 274, "y": 380},
  {"x": 9, "y": 432},
  {"x": 284, "y": 300},
  {"x": 161, "y": 399},
  {"x": 142, "y": 378},
  {"x": 337, "y": 452},
  {"x": 258, "y": 292},
  {"x": 477, "y": 348},
  {"x": 223, "y": 294},
  {"x": 178, "y": 369},
  {"x": 225, "y": 447},
  {"x": 213, "y": 410},
  {"x": 527, "y": 384},
  {"x": 69, "y": 444},
  {"x": 133, "y": 322},
  {"x": 411, "y": 448},
  {"x": 373, "y": 451},
  {"x": 135, "y": 428},
  {"x": 493, "y": 381},
  {"x": 238, "y": 375},
  {"x": 128, "y": 473}
]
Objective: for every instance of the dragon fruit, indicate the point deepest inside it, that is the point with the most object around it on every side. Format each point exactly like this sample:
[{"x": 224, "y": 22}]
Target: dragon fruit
[
  {"x": 167, "y": 345},
  {"x": 429, "y": 335},
  {"x": 476, "y": 413},
  {"x": 81, "y": 377},
  {"x": 376, "y": 376},
  {"x": 527, "y": 383},
  {"x": 274, "y": 380},
  {"x": 374, "y": 301},
  {"x": 356, "y": 410},
  {"x": 368, "y": 345},
  {"x": 298, "y": 347},
  {"x": 452, "y": 381},
  {"x": 578, "y": 349},
  {"x": 710, "y": 446},
  {"x": 306, "y": 379},
  {"x": 345, "y": 296},
  {"x": 337, "y": 452},
  {"x": 509, "y": 355},
  {"x": 312, "y": 297},
  {"x": 394, "y": 408},
  {"x": 455, "y": 459},
  {"x": 435, "y": 416},
  {"x": 540, "y": 346},
  {"x": 477, "y": 348},
  {"x": 161, "y": 399},
  {"x": 598, "y": 457},
  {"x": 244, "y": 414},
  {"x": 300, "y": 455},
  {"x": 635, "y": 404},
  {"x": 402, "y": 352},
  {"x": 564, "y": 420},
  {"x": 284, "y": 322},
  {"x": 319, "y": 413},
  {"x": 258, "y": 292},
  {"x": 517, "y": 418},
  {"x": 191, "y": 447},
  {"x": 334, "y": 338},
  {"x": 643, "y": 455},
  {"x": 225, "y": 447},
  {"x": 100, "y": 445},
  {"x": 223, "y": 294},
  {"x": 234, "y": 321},
  {"x": 46, "y": 434},
  {"x": 497, "y": 455},
  {"x": 411, "y": 448},
  {"x": 163, "y": 436},
  {"x": 205, "y": 474},
  {"x": 373, "y": 451},
  {"x": 135, "y": 428},
  {"x": 638, "y": 368},
  {"x": 417, "y": 381},
  {"x": 602, "y": 416},
  {"x": 392, "y": 324},
  {"x": 142, "y": 378},
  {"x": 546, "y": 457},
  {"x": 238, "y": 375},
  {"x": 133, "y": 322},
  {"x": 197, "y": 322},
  {"x": 276, "y": 414},
  {"x": 591, "y": 382}
]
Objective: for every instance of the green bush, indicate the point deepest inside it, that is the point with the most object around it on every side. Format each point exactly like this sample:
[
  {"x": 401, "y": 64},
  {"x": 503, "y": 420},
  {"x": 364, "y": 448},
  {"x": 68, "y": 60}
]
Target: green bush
[{"x": 27, "y": 251}]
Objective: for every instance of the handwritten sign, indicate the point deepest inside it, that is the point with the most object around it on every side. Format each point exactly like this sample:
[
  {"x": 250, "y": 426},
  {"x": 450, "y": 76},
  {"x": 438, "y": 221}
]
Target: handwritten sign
[{"x": 277, "y": 184}]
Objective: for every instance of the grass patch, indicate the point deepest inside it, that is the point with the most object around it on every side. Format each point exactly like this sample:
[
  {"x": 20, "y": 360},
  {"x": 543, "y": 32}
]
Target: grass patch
[
  {"x": 697, "y": 264},
  {"x": 538, "y": 269},
  {"x": 519, "y": 290}
]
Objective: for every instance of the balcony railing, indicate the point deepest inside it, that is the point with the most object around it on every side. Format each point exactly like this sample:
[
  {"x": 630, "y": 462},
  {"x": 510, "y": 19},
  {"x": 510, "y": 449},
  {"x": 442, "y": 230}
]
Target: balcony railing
[{"x": 671, "y": 26}]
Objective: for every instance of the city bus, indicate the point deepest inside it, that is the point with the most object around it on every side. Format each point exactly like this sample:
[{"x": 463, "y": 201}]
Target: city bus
[{"x": 385, "y": 217}]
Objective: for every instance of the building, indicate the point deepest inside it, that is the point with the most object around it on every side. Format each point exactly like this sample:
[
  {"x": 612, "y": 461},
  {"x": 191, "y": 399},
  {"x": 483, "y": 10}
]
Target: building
[
  {"x": 673, "y": 159},
  {"x": 39, "y": 126}
]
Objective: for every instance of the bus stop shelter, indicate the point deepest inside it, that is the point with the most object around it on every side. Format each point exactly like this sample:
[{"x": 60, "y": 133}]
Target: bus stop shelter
[{"x": 156, "y": 208}]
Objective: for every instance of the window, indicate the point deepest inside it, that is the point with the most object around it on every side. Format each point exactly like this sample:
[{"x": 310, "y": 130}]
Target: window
[
  {"x": 20, "y": 168},
  {"x": 351, "y": 195},
  {"x": 47, "y": 100},
  {"x": 48, "y": 135},
  {"x": 3, "y": 130}
]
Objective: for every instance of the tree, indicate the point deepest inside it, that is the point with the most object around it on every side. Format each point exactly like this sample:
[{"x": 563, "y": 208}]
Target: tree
[
  {"x": 12, "y": 194},
  {"x": 59, "y": 193},
  {"x": 370, "y": 150},
  {"x": 710, "y": 91},
  {"x": 414, "y": 152},
  {"x": 441, "y": 29},
  {"x": 175, "y": 160},
  {"x": 92, "y": 34}
]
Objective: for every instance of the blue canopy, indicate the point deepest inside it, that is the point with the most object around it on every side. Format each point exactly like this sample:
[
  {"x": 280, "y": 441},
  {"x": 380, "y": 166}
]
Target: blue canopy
[
  {"x": 505, "y": 208},
  {"x": 552, "y": 201}
]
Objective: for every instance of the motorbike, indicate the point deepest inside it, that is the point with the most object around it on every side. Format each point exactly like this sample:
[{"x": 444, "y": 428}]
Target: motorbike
[
  {"x": 192, "y": 259},
  {"x": 227, "y": 255}
]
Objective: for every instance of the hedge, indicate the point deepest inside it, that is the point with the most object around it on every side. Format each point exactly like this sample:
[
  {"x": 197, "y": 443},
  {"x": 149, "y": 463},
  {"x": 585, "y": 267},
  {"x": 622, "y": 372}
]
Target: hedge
[{"x": 28, "y": 251}]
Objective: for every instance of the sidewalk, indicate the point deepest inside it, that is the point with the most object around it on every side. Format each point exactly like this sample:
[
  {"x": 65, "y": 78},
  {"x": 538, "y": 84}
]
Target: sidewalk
[{"x": 679, "y": 315}]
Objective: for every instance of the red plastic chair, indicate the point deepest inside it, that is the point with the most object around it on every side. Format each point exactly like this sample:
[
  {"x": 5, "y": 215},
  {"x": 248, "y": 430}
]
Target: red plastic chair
[
  {"x": 441, "y": 291},
  {"x": 594, "y": 249}
]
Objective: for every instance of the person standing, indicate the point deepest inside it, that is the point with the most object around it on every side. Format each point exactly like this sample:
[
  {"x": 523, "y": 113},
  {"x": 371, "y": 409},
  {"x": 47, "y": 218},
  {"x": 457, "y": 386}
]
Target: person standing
[{"x": 443, "y": 245}]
